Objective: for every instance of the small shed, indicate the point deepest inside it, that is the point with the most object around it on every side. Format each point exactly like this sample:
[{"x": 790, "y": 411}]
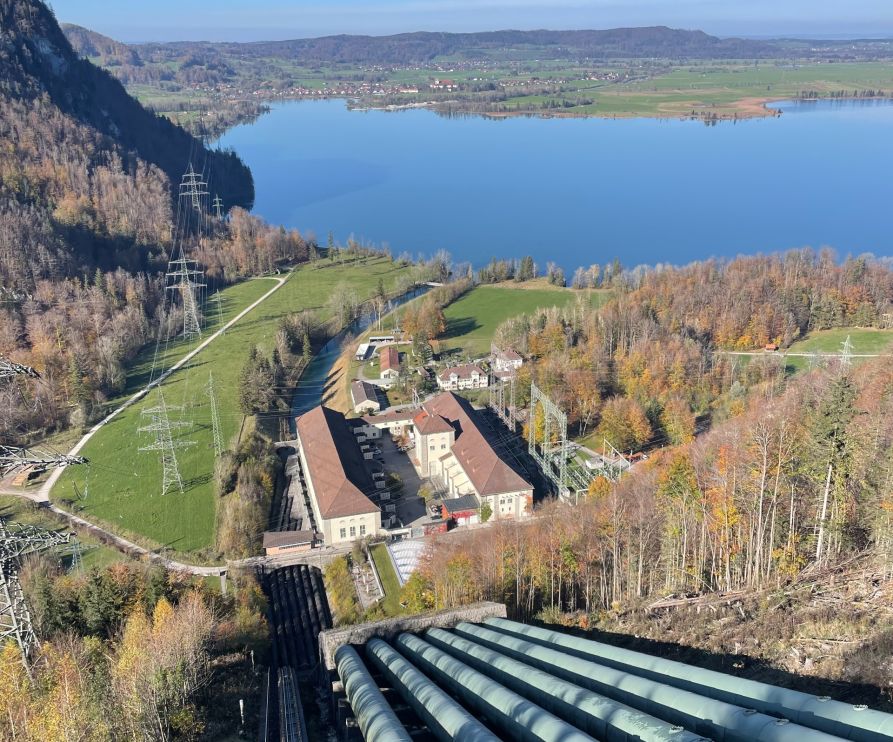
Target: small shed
[
  {"x": 465, "y": 510},
  {"x": 282, "y": 543}
]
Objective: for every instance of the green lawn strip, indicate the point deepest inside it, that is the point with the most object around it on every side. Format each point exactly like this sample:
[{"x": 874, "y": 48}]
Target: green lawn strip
[
  {"x": 120, "y": 488},
  {"x": 388, "y": 577},
  {"x": 473, "y": 318}
]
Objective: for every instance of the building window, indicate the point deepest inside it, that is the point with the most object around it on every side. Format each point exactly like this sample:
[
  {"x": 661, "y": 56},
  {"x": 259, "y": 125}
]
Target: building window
[
  {"x": 362, "y": 530},
  {"x": 443, "y": 446},
  {"x": 353, "y": 531},
  {"x": 432, "y": 448},
  {"x": 343, "y": 533}
]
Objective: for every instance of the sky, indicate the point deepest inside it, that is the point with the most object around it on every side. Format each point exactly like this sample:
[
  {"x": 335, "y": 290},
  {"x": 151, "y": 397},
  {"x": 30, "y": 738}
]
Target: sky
[{"x": 254, "y": 20}]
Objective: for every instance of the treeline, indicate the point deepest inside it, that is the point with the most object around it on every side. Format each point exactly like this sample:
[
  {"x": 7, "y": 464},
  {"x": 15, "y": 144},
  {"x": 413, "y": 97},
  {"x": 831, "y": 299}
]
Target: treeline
[
  {"x": 82, "y": 334},
  {"x": 800, "y": 478},
  {"x": 131, "y": 652},
  {"x": 245, "y": 481},
  {"x": 748, "y": 302},
  {"x": 643, "y": 369}
]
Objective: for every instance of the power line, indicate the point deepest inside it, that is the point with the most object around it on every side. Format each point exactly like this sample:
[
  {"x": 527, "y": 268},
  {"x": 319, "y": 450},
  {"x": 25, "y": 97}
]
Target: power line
[
  {"x": 846, "y": 352},
  {"x": 18, "y": 540},
  {"x": 9, "y": 369},
  {"x": 164, "y": 443},
  {"x": 215, "y": 416},
  {"x": 193, "y": 188},
  {"x": 14, "y": 459},
  {"x": 187, "y": 279}
]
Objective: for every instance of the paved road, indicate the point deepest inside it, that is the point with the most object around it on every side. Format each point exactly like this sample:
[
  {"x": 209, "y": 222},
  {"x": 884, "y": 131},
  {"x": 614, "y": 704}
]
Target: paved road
[{"x": 42, "y": 495}]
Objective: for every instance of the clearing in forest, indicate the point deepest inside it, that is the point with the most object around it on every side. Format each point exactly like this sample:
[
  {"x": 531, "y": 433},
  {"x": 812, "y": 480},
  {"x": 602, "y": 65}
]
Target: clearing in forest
[{"x": 473, "y": 318}]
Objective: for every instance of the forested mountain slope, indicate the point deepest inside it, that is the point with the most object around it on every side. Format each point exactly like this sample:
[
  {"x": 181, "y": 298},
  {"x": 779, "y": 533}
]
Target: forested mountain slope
[
  {"x": 88, "y": 180},
  {"x": 86, "y": 172}
]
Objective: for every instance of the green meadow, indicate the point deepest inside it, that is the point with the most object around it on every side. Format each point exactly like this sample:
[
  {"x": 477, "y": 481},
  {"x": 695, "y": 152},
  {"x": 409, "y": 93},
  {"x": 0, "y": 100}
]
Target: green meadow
[
  {"x": 120, "y": 487},
  {"x": 472, "y": 319}
]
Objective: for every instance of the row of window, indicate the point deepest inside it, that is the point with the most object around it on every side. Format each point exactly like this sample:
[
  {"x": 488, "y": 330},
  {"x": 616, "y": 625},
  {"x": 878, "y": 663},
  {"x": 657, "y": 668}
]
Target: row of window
[{"x": 353, "y": 532}]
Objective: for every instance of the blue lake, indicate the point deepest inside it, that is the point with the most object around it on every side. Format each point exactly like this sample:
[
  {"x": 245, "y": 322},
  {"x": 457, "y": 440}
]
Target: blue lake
[{"x": 577, "y": 191}]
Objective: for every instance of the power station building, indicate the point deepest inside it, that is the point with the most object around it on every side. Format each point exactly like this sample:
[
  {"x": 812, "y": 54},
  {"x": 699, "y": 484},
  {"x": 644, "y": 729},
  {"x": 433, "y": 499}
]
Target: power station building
[{"x": 338, "y": 483}]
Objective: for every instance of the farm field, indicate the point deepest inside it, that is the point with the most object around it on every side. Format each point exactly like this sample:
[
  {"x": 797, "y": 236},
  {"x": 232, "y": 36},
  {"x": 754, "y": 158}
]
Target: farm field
[
  {"x": 120, "y": 488},
  {"x": 472, "y": 319},
  {"x": 388, "y": 577},
  {"x": 658, "y": 89}
]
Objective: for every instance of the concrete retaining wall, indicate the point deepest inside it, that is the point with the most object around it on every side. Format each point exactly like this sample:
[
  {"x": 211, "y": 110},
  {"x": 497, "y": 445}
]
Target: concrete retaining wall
[{"x": 330, "y": 640}]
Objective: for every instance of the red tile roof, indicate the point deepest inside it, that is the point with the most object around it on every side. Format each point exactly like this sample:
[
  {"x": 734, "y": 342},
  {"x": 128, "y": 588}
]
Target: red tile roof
[
  {"x": 335, "y": 464},
  {"x": 489, "y": 474},
  {"x": 390, "y": 358},
  {"x": 427, "y": 424}
]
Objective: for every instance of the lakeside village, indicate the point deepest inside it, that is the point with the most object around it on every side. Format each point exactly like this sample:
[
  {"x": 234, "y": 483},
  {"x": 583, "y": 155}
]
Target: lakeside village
[{"x": 403, "y": 471}]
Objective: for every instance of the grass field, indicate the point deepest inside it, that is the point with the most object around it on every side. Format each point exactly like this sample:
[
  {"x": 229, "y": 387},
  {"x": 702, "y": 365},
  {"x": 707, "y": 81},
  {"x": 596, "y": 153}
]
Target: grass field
[
  {"x": 120, "y": 487},
  {"x": 472, "y": 320},
  {"x": 864, "y": 340},
  {"x": 388, "y": 577}
]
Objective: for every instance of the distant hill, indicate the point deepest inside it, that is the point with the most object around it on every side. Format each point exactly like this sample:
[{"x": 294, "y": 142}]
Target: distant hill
[
  {"x": 87, "y": 174},
  {"x": 91, "y": 44},
  {"x": 656, "y": 41},
  {"x": 422, "y": 47}
]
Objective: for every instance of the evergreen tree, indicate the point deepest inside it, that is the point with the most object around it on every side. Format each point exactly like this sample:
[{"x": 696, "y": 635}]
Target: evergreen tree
[{"x": 832, "y": 463}]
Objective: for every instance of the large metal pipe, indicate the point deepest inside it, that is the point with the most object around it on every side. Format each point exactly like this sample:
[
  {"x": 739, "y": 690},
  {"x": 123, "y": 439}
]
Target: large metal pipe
[
  {"x": 445, "y": 718},
  {"x": 854, "y": 722},
  {"x": 376, "y": 718},
  {"x": 706, "y": 716},
  {"x": 603, "y": 718},
  {"x": 517, "y": 717}
]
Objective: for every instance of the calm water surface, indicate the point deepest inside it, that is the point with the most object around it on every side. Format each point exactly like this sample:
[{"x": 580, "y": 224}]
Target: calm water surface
[{"x": 577, "y": 191}]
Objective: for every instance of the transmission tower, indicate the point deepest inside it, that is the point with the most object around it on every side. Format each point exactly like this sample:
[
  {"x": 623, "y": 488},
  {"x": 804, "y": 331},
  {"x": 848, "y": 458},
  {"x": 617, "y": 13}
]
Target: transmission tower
[
  {"x": 846, "y": 352},
  {"x": 193, "y": 188},
  {"x": 183, "y": 276},
  {"x": 17, "y": 541},
  {"x": 9, "y": 369},
  {"x": 13, "y": 459},
  {"x": 215, "y": 416},
  {"x": 218, "y": 206},
  {"x": 163, "y": 428}
]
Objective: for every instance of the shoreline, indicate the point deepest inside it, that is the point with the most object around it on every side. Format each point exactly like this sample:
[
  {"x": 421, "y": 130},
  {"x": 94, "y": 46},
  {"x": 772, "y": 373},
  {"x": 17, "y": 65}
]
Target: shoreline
[{"x": 746, "y": 109}]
